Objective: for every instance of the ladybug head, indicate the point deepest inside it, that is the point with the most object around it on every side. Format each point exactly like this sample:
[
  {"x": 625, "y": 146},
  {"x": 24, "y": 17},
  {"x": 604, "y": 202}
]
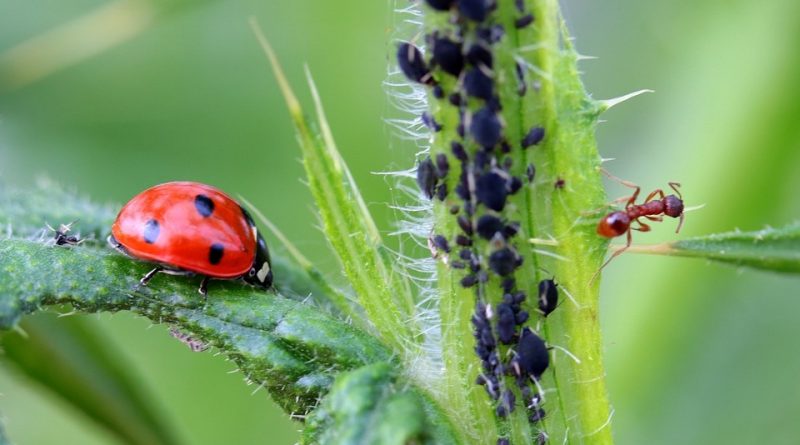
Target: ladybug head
[{"x": 261, "y": 272}]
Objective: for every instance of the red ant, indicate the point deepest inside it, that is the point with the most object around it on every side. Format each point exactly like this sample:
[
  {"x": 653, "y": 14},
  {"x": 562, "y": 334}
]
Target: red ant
[{"x": 618, "y": 223}]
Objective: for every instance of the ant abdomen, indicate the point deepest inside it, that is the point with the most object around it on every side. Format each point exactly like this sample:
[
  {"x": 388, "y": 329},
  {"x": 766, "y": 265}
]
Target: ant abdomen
[{"x": 614, "y": 224}]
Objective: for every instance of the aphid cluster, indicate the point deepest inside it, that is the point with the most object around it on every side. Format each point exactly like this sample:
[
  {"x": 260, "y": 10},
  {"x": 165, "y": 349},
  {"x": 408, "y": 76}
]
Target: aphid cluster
[{"x": 459, "y": 69}]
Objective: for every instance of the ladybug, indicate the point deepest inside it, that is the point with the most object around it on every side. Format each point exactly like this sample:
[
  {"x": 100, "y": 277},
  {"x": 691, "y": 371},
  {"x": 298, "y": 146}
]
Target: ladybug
[{"x": 189, "y": 228}]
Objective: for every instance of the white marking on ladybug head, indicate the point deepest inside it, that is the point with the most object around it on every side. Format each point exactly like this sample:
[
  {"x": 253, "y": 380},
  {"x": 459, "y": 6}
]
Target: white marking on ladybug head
[{"x": 263, "y": 272}]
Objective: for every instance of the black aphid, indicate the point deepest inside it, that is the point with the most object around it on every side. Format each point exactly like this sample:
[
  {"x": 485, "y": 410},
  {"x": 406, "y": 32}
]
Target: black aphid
[
  {"x": 491, "y": 34},
  {"x": 454, "y": 209},
  {"x": 441, "y": 243},
  {"x": 536, "y": 415},
  {"x": 463, "y": 240},
  {"x": 522, "y": 317},
  {"x": 409, "y": 58},
  {"x": 458, "y": 151},
  {"x": 447, "y": 54},
  {"x": 522, "y": 87},
  {"x": 548, "y": 296},
  {"x": 430, "y": 122},
  {"x": 530, "y": 172},
  {"x": 503, "y": 441},
  {"x": 503, "y": 261},
  {"x": 520, "y": 4},
  {"x": 442, "y": 165},
  {"x": 438, "y": 92},
  {"x": 506, "y": 323},
  {"x": 441, "y": 192},
  {"x": 509, "y": 284},
  {"x": 511, "y": 229},
  {"x": 476, "y": 10},
  {"x": 440, "y": 5},
  {"x": 465, "y": 225},
  {"x": 457, "y": 264},
  {"x": 478, "y": 84},
  {"x": 485, "y": 128},
  {"x": 532, "y": 357},
  {"x": 479, "y": 55},
  {"x": 454, "y": 99},
  {"x": 491, "y": 191},
  {"x": 534, "y": 136},
  {"x": 514, "y": 185},
  {"x": 488, "y": 225},
  {"x": 426, "y": 177},
  {"x": 523, "y": 21},
  {"x": 469, "y": 281}
]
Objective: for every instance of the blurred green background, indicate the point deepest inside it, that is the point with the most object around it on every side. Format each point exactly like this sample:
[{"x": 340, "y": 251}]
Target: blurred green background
[{"x": 697, "y": 353}]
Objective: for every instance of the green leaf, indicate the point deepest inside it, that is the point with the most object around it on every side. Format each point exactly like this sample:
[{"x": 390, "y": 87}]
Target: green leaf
[
  {"x": 372, "y": 406},
  {"x": 382, "y": 290},
  {"x": 85, "y": 373},
  {"x": 291, "y": 349},
  {"x": 777, "y": 250}
]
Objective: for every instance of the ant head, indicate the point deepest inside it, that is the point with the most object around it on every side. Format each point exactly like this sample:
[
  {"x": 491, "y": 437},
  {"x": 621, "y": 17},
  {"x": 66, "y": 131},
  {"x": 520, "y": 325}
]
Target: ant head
[
  {"x": 614, "y": 224},
  {"x": 673, "y": 206}
]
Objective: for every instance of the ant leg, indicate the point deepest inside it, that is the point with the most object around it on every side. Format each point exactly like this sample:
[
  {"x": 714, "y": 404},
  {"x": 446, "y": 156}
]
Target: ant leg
[
  {"x": 652, "y": 195},
  {"x": 149, "y": 275},
  {"x": 675, "y": 186},
  {"x": 203, "y": 287},
  {"x": 614, "y": 255},
  {"x": 637, "y": 189},
  {"x": 680, "y": 223},
  {"x": 657, "y": 218},
  {"x": 642, "y": 226}
]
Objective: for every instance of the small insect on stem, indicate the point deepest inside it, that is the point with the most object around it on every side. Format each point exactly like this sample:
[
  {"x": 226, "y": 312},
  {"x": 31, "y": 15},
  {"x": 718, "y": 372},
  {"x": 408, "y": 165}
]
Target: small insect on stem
[{"x": 654, "y": 207}]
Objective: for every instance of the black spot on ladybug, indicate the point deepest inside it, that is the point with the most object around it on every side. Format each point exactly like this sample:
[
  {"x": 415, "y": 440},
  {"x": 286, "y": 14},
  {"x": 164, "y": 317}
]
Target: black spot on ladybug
[
  {"x": 409, "y": 59},
  {"x": 485, "y": 127},
  {"x": 523, "y": 21},
  {"x": 215, "y": 253},
  {"x": 204, "y": 205},
  {"x": 447, "y": 54},
  {"x": 548, "y": 296},
  {"x": 488, "y": 225},
  {"x": 491, "y": 191},
  {"x": 151, "y": 231},
  {"x": 534, "y": 136},
  {"x": 478, "y": 84},
  {"x": 532, "y": 356},
  {"x": 476, "y": 10},
  {"x": 478, "y": 55},
  {"x": 440, "y": 5}
]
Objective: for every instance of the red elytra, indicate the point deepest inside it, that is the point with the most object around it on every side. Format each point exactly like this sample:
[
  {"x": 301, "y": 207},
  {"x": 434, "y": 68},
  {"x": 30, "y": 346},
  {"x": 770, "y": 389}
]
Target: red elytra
[{"x": 189, "y": 227}]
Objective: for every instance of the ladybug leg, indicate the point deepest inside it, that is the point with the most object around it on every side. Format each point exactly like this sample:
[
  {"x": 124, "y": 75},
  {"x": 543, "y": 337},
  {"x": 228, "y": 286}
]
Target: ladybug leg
[
  {"x": 204, "y": 286},
  {"x": 149, "y": 275}
]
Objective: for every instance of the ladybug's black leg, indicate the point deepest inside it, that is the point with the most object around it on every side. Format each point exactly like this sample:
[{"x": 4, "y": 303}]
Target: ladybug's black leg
[
  {"x": 203, "y": 287},
  {"x": 149, "y": 275}
]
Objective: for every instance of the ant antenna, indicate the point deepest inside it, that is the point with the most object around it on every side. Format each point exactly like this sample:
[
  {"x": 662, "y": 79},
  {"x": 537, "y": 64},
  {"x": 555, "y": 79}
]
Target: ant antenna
[{"x": 675, "y": 186}]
